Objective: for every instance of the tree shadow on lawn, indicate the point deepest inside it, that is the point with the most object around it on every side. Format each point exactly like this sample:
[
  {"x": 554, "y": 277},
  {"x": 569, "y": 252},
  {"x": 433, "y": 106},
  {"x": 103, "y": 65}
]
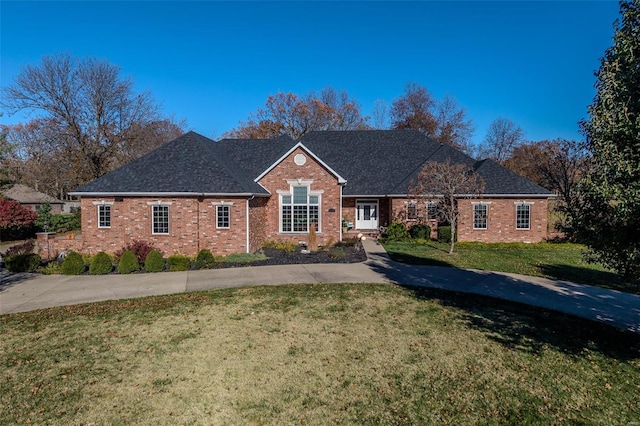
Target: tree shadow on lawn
[
  {"x": 415, "y": 260},
  {"x": 582, "y": 275},
  {"x": 532, "y": 329}
]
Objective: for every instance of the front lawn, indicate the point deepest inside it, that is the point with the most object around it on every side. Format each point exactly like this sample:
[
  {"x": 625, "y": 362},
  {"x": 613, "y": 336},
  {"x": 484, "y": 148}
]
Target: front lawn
[
  {"x": 315, "y": 354},
  {"x": 550, "y": 260}
]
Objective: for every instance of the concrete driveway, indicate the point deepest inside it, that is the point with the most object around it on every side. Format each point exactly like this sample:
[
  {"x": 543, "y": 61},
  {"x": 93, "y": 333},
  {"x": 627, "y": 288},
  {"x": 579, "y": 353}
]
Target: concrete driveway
[{"x": 26, "y": 292}]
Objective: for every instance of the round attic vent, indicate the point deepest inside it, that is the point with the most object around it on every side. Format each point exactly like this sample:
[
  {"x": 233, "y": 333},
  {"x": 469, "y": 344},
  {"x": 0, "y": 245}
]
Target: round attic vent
[{"x": 299, "y": 159}]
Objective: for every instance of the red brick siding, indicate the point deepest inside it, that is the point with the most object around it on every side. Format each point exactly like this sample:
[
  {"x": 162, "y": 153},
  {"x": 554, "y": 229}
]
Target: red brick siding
[
  {"x": 501, "y": 220},
  {"x": 192, "y": 225},
  {"x": 257, "y": 223},
  {"x": 324, "y": 180}
]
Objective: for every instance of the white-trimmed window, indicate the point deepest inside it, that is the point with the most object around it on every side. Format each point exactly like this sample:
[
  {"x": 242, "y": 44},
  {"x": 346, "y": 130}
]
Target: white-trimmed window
[
  {"x": 480, "y": 213},
  {"x": 222, "y": 217},
  {"x": 104, "y": 216},
  {"x": 412, "y": 210},
  {"x": 523, "y": 216},
  {"x": 299, "y": 208},
  {"x": 432, "y": 211},
  {"x": 160, "y": 215}
]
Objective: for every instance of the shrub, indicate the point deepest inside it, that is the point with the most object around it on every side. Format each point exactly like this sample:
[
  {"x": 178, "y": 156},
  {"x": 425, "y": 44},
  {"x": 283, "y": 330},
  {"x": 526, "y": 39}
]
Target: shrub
[
  {"x": 140, "y": 248},
  {"x": 444, "y": 234},
  {"x": 52, "y": 268},
  {"x": 23, "y": 248},
  {"x": 287, "y": 246},
  {"x": 178, "y": 262},
  {"x": 73, "y": 264},
  {"x": 128, "y": 263},
  {"x": 420, "y": 231},
  {"x": 28, "y": 262},
  {"x": 100, "y": 264},
  {"x": 397, "y": 231},
  {"x": 205, "y": 260},
  {"x": 154, "y": 262}
]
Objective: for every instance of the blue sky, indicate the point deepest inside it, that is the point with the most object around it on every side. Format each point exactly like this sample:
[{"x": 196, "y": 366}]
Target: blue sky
[{"x": 212, "y": 63}]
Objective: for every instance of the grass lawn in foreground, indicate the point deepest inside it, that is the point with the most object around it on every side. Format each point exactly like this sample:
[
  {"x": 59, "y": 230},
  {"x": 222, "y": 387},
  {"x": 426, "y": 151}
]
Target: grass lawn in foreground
[
  {"x": 315, "y": 354},
  {"x": 560, "y": 261}
]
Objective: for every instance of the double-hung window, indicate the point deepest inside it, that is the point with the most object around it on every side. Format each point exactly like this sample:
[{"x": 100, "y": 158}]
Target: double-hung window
[
  {"x": 432, "y": 211},
  {"x": 104, "y": 216},
  {"x": 222, "y": 217},
  {"x": 299, "y": 209},
  {"x": 412, "y": 210},
  {"x": 523, "y": 216},
  {"x": 160, "y": 214},
  {"x": 480, "y": 216}
]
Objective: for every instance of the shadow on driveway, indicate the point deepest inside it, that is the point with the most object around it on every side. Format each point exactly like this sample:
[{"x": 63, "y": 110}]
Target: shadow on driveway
[{"x": 9, "y": 279}]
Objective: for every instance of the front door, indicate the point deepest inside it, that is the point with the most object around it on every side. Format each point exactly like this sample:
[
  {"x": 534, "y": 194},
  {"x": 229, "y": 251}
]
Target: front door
[{"x": 367, "y": 214}]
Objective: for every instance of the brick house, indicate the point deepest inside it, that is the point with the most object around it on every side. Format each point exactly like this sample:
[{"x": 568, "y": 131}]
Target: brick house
[{"x": 233, "y": 195}]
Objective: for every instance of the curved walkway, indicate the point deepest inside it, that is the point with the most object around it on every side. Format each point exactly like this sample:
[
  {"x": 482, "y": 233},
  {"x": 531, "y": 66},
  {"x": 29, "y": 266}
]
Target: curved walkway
[{"x": 26, "y": 292}]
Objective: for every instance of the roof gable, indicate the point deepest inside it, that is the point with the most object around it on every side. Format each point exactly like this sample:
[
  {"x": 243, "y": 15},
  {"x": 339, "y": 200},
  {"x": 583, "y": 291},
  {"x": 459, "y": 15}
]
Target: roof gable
[{"x": 26, "y": 195}]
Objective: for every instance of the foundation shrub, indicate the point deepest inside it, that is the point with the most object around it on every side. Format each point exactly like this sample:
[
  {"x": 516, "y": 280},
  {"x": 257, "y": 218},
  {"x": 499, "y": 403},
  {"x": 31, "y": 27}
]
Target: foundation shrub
[
  {"x": 140, "y": 248},
  {"x": 154, "y": 262},
  {"x": 100, "y": 264},
  {"x": 444, "y": 234},
  {"x": 287, "y": 246},
  {"x": 178, "y": 262},
  {"x": 128, "y": 263},
  {"x": 73, "y": 264},
  {"x": 420, "y": 231},
  {"x": 205, "y": 259},
  {"x": 397, "y": 231}
]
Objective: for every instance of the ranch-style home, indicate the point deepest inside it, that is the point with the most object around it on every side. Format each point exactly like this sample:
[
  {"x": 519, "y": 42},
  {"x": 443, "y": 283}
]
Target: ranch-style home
[{"x": 233, "y": 195}]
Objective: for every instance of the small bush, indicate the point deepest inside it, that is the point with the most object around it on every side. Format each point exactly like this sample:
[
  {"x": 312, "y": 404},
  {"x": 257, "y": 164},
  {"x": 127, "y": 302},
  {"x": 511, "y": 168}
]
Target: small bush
[
  {"x": 287, "y": 246},
  {"x": 154, "y": 262},
  {"x": 140, "y": 248},
  {"x": 444, "y": 234},
  {"x": 178, "y": 262},
  {"x": 28, "y": 262},
  {"x": 242, "y": 258},
  {"x": 128, "y": 263},
  {"x": 397, "y": 231},
  {"x": 73, "y": 264},
  {"x": 420, "y": 231},
  {"x": 205, "y": 260},
  {"x": 336, "y": 252},
  {"x": 23, "y": 248},
  {"x": 52, "y": 268},
  {"x": 100, "y": 264}
]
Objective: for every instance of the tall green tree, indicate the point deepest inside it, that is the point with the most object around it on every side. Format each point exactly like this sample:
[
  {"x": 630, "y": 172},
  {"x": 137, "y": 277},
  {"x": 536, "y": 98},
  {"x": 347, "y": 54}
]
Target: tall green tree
[{"x": 610, "y": 222}]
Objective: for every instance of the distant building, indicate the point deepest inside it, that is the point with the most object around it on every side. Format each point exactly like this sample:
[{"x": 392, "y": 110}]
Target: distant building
[{"x": 30, "y": 198}]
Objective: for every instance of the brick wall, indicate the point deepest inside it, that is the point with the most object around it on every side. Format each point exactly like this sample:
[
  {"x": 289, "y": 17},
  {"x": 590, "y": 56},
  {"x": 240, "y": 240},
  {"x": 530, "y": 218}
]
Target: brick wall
[
  {"x": 501, "y": 220},
  {"x": 323, "y": 180},
  {"x": 192, "y": 225}
]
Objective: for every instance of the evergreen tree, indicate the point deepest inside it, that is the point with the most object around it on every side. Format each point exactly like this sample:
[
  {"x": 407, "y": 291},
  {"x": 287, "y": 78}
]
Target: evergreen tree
[{"x": 610, "y": 220}]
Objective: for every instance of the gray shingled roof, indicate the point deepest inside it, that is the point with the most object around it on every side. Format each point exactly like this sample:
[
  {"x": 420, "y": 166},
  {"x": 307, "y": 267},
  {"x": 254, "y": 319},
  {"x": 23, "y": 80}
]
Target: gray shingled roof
[
  {"x": 374, "y": 162},
  {"x": 26, "y": 195}
]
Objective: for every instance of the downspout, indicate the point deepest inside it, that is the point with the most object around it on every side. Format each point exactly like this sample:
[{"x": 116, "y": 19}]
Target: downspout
[
  {"x": 341, "y": 188},
  {"x": 247, "y": 219}
]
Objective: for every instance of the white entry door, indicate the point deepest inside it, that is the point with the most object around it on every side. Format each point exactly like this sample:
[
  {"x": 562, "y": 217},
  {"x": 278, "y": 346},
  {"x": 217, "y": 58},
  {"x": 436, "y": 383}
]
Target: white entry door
[{"x": 367, "y": 214}]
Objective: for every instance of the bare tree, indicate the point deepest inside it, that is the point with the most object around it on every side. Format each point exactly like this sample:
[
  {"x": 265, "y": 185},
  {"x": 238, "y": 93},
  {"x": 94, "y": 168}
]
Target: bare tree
[
  {"x": 446, "y": 182},
  {"x": 443, "y": 121},
  {"x": 91, "y": 108},
  {"x": 292, "y": 115},
  {"x": 502, "y": 138},
  {"x": 380, "y": 114}
]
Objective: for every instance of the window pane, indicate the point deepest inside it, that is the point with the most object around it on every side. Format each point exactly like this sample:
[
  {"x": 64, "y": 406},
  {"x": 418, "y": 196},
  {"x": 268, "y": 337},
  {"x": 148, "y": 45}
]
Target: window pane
[
  {"x": 432, "y": 211},
  {"x": 314, "y": 217},
  {"x": 286, "y": 199},
  {"x": 223, "y": 216},
  {"x": 367, "y": 212},
  {"x": 313, "y": 199},
  {"x": 104, "y": 216},
  {"x": 412, "y": 211},
  {"x": 523, "y": 212},
  {"x": 286, "y": 218},
  {"x": 299, "y": 195},
  {"x": 160, "y": 219},
  {"x": 480, "y": 216},
  {"x": 300, "y": 218}
]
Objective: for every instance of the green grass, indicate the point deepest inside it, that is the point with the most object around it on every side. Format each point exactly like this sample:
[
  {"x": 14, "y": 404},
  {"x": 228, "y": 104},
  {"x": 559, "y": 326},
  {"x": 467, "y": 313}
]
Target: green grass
[
  {"x": 315, "y": 354},
  {"x": 560, "y": 261}
]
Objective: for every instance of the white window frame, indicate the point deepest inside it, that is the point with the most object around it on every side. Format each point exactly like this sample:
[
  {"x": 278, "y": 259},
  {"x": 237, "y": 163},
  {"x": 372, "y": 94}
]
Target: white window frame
[
  {"x": 155, "y": 205},
  {"x": 486, "y": 215},
  {"x": 518, "y": 206},
  {"x": 228, "y": 216},
  {"x": 435, "y": 207},
  {"x": 414, "y": 205},
  {"x": 284, "y": 193},
  {"x": 102, "y": 207},
  {"x": 99, "y": 204}
]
